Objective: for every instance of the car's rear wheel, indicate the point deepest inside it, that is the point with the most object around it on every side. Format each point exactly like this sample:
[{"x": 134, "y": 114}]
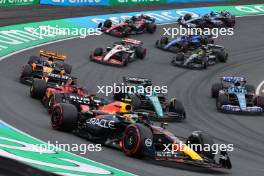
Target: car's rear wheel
[
  {"x": 221, "y": 100},
  {"x": 64, "y": 117},
  {"x": 177, "y": 107},
  {"x": 141, "y": 52},
  {"x": 137, "y": 140},
  {"x": 67, "y": 68},
  {"x": 26, "y": 71},
  {"x": 221, "y": 55},
  {"x": 38, "y": 88},
  {"x": 135, "y": 102},
  {"x": 151, "y": 28},
  {"x": 216, "y": 87},
  {"x": 125, "y": 59}
]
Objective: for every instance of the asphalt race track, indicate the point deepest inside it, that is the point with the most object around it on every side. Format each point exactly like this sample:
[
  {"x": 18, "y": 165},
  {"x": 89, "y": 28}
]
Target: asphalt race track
[{"x": 246, "y": 50}]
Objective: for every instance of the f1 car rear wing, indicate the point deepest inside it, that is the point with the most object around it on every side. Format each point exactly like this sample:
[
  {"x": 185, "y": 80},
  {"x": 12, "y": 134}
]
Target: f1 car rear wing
[
  {"x": 132, "y": 41},
  {"x": 233, "y": 79},
  {"x": 48, "y": 54},
  {"x": 134, "y": 80}
]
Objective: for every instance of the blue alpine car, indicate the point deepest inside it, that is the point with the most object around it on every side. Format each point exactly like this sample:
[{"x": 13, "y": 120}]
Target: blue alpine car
[
  {"x": 234, "y": 95},
  {"x": 183, "y": 43}
]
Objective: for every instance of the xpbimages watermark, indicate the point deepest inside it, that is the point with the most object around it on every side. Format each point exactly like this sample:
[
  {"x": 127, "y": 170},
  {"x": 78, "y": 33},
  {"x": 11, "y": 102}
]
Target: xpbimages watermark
[
  {"x": 122, "y": 88},
  {"x": 49, "y": 30},
  {"x": 80, "y": 148},
  {"x": 214, "y": 32}
]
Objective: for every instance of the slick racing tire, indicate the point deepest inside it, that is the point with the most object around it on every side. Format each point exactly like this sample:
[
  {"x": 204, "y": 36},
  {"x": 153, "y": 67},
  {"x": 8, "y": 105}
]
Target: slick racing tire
[
  {"x": 216, "y": 87},
  {"x": 137, "y": 141},
  {"x": 108, "y": 23},
  {"x": 53, "y": 100},
  {"x": 179, "y": 56},
  {"x": 33, "y": 59},
  {"x": 221, "y": 55},
  {"x": 64, "y": 117},
  {"x": 125, "y": 59},
  {"x": 259, "y": 101},
  {"x": 250, "y": 89},
  {"x": 151, "y": 28},
  {"x": 98, "y": 52},
  {"x": 67, "y": 68},
  {"x": 135, "y": 102},
  {"x": 205, "y": 140},
  {"x": 120, "y": 95},
  {"x": 38, "y": 88},
  {"x": 177, "y": 107},
  {"x": 26, "y": 71},
  {"x": 221, "y": 100},
  {"x": 141, "y": 52}
]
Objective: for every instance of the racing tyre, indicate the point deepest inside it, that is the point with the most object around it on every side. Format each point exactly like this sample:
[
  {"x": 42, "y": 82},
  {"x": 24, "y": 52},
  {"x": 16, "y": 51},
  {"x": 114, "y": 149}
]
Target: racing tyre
[
  {"x": 135, "y": 102},
  {"x": 67, "y": 68},
  {"x": 221, "y": 56},
  {"x": 179, "y": 57},
  {"x": 259, "y": 101},
  {"x": 177, "y": 107},
  {"x": 38, "y": 88},
  {"x": 125, "y": 32},
  {"x": 98, "y": 52},
  {"x": 187, "y": 16},
  {"x": 141, "y": 52},
  {"x": 53, "y": 100},
  {"x": 125, "y": 58},
  {"x": 216, "y": 87},
  {"x": 33, "y": 59},
  {"x": 204, "y": 139},
  {"x": 107, "y": 23},
  {"x": 137, "y": 141},
  {"x": 64, "y": 117},
  {"x": 250, "y": 89},
  {"x": 120, "y": 95},
  {"x": 26, "y": 71},
  {"x": 151, "y": 28},
  {"x": 221, "y": 100}
]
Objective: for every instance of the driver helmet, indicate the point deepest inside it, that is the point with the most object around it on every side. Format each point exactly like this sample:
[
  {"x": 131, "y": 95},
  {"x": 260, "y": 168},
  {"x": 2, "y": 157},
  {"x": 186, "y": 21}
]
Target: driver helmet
[
  {"x": 237, "y": 84},
  {"x": 212, "y": 13}
]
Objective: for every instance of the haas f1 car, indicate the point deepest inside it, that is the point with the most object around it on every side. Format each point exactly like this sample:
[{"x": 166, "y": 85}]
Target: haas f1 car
[
  {"x": 134, "y": 134},
  {"x": 120, "y": 54},
  {"x": 183, "y": 43},
  {"x": 144, "y": 99},
  {"x": 234, "y": 95},
  {"x": 201, "y": 58},
  {"x": 211, "y": 20},
  {"x": 134, "y": 25},
  {"x": 41, "y": 67}
]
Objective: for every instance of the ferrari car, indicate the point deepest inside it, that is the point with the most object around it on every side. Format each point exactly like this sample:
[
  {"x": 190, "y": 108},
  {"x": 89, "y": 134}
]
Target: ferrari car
[
  {"x": 40, "y": 67},
  {"x": 136, "y": 136},
  {"x": 120, "y": 54},
  {"x": 200, "y": 58},
  {"x": 52, "y": 94},
  {"x": 183, "y": 43},
  {"x": 134, "y": 25},
  {"x": 211, "y": 20},
  {"x": 233, "y": 94},
  {"x": 156, "y": 104},
  {"x": 52, "y": 81}
]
